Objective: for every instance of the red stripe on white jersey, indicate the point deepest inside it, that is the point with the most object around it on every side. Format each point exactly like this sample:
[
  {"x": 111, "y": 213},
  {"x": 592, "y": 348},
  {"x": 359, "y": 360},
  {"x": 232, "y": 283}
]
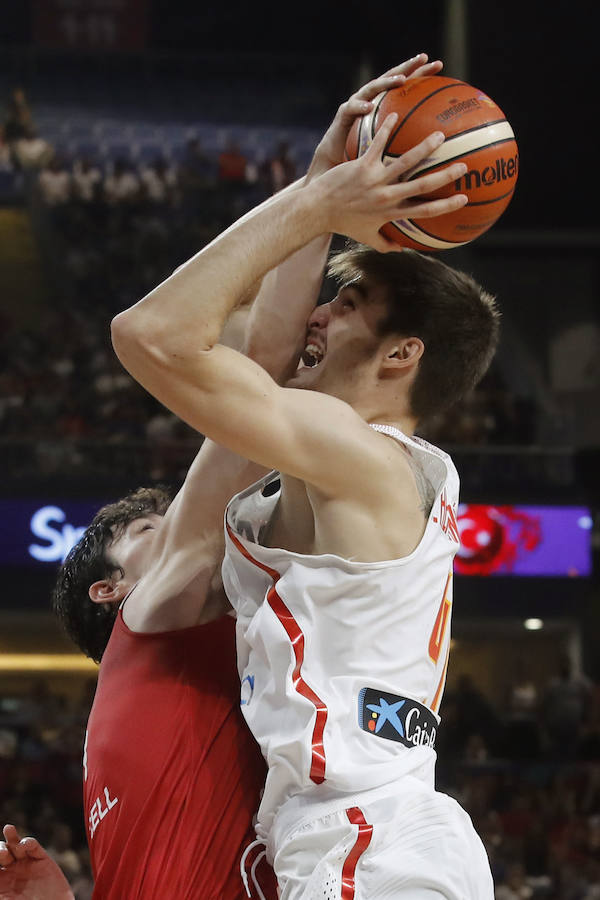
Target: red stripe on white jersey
[
  {"x": 365, "y": 833},
  {"x": 296, "y": 636},
  {"x": 438, "y": 694}
]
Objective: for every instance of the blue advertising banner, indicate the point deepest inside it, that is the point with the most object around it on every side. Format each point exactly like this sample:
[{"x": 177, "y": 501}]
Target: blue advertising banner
[
  {"x": 495, "y": 540},
  {"x": 35, "y": 533}
]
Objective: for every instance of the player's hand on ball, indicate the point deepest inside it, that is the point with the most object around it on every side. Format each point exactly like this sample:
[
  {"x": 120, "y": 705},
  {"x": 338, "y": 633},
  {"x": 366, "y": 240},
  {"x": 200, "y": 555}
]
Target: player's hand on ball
[
  {"x": 360, "y": 196},
  {"x": 330, "y": 150}
]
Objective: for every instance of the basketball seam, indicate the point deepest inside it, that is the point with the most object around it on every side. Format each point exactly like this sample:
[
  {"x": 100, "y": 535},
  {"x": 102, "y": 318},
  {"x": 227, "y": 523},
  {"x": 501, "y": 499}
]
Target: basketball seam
[
  {"x": 451, "y": 159},
  {"x": 463, "y": 133},
  {"x": 376, "y": 113},
  {"x": 445, "y": 87},
  {"x": 435, "y": 237},
  {"x": 358, "y": 134},
  {"x": 494, "y": 200}
]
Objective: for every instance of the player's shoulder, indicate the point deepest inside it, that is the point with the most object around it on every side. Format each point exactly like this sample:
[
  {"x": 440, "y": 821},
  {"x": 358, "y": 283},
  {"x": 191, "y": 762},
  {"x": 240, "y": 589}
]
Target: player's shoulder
[{"x": 417, "y": 459}]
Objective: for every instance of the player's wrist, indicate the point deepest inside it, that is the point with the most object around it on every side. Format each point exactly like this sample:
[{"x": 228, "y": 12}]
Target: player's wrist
[
  {"x": 313, "y": 208},
  {"x": 320, "y": 164}
]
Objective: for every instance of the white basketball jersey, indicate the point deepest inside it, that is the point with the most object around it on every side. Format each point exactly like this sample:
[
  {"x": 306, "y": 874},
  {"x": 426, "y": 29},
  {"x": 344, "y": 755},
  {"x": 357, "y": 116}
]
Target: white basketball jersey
[{"x": 342, "y": 664}]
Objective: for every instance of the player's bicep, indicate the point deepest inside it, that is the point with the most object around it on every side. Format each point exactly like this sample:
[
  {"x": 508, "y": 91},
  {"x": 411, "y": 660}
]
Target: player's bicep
[
  {"x": 306, "y": 434},
  {"x": 232, "y": 400}
]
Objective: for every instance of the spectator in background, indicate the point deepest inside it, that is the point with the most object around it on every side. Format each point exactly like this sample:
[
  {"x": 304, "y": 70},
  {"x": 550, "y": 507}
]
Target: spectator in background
[
  {"x": 197, "y": 171},
  {"x": 232, "y": 179},
  {"x": 514, "y": 885},
  {"x": 122, "y": 199},
  {"x": 522, "y": 729},
  {"x": 565, "y": 707},
  {"x": 159, "y": 184},
  {"x": 6, "y": 162},
  {"x": 18, "y": 118},
  {"x": 122, "y": 187},
  {"x": 87, "y": 213},
  {"x": 232, "y": 164},
  {"x": 279, "y": 170},
  {"x": 83, "y": 884},
  {"x": 87, "y": 181},
  {"x": 55, "y": 183},
  {"x": 197, "y": 176},
  {"x": 155, "y": 227},
  {"x": 31, "y": 152},
  {"x": 60, "y": 848},
  {"x": 475, "y": 718},
  {"x": 28, "y": 150}
]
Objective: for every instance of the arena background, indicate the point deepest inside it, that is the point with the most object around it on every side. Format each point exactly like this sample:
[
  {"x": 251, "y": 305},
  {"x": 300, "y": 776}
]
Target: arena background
[{"x": 136, "y": 80}]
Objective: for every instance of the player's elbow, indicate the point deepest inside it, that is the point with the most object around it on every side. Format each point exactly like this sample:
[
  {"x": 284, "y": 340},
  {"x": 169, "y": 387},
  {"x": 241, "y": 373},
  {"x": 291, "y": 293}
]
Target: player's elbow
[
  {"x": 127, "y": 336},
  {"x": 136, "y": 342},
  {"x": 146, "y": 349}
]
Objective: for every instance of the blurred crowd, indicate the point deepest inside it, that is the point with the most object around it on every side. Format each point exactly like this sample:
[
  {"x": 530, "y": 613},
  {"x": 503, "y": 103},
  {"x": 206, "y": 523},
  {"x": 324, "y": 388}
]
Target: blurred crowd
[
  {"x": 66, "y": 394},
  {"x": 41, "y": 746},
  {"x": 62, "y": 389},
  {"x": 115, "y": 230},
  {"x": 526, "y": 770}
]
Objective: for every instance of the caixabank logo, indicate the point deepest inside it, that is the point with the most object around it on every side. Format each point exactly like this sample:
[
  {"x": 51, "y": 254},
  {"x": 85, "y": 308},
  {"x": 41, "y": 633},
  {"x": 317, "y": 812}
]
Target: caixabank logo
[{"x": 396, "y": 718}]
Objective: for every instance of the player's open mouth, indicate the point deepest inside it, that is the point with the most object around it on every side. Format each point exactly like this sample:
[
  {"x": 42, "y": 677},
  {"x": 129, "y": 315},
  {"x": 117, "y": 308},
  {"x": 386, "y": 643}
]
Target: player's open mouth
[{"x": 312, "y": 355}]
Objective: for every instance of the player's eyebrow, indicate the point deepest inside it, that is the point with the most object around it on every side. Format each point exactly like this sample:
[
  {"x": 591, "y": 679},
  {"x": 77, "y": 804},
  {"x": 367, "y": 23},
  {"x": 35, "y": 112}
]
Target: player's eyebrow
[{"x": 358, "y": 285}]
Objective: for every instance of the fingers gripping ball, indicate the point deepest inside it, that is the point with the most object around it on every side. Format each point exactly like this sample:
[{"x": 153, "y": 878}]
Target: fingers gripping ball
[{"x": 477, "y": 134}]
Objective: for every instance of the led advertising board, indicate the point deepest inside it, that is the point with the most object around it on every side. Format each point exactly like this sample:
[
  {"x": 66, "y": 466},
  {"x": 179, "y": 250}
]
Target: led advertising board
[{"x": 495, "y": 540}]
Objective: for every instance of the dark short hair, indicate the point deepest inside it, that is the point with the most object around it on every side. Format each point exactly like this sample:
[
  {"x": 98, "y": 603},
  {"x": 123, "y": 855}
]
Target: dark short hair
[
  {"x": 457, "y": 320},
  {"x": 87, "y": 623}
]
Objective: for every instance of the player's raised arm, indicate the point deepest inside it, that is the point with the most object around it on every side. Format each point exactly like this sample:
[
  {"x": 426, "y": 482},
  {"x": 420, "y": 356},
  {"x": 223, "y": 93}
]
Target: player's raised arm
[
  {"x": 169, "y": 341},
  {"x": 183, "y": 582}
]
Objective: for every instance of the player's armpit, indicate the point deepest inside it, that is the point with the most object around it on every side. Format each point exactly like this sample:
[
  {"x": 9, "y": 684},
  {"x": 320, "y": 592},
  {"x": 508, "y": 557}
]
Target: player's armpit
[{"x": 178, "y": 590}]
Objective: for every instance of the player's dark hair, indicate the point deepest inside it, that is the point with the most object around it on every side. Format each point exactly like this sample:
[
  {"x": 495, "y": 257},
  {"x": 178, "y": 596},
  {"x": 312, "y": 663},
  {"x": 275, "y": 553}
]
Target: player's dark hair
[
  {"x": 448, "y": 310},
  {"x": 87, "y": 623}
]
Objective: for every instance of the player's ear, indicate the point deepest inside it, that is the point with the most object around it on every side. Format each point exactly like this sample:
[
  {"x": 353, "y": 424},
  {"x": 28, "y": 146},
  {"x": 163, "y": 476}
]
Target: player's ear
[
  {"x": 106, "y": 591},
  {"x": 403, "y": 354}
]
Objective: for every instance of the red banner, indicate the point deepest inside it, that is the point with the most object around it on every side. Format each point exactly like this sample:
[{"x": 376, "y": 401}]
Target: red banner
[{"x": 101, "y": 25}]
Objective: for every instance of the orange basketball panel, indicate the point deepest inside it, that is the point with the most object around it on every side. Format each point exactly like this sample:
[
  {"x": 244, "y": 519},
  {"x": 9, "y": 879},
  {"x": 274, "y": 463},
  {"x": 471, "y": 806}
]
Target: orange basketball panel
[{"x": 437, "y": 104}]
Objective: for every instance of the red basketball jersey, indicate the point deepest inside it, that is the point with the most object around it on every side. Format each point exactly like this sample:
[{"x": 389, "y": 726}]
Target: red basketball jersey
[{"x": 171, "y": 773}]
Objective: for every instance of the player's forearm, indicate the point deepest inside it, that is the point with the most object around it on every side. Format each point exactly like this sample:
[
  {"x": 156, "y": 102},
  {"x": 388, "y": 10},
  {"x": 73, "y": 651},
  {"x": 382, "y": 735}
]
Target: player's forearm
[
  {"x": 186, "y": 313},
  {"x": 276, "y": 326},
  {"x": 275, "y": 330}
]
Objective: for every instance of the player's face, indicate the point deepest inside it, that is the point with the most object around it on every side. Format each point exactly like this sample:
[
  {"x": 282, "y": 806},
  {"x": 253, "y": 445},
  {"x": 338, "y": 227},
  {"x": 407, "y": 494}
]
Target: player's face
[
  {"x": 131, "y": 551},
  {"x": 342, "y": 340}
]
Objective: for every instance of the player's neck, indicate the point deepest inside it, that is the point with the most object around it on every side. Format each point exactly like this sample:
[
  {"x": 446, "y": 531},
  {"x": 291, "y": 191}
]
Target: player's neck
[
  {"x": 377, "y": 400},
  {"x": 406, "y": 424},
  {"x": 383, "y": 408}
]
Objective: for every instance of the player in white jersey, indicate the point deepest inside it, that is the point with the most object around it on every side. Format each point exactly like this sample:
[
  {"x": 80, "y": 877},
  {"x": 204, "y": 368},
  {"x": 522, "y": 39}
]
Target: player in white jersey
[
  {"x": 355, "y": 646},
  {"x": 342, "y": 580}
]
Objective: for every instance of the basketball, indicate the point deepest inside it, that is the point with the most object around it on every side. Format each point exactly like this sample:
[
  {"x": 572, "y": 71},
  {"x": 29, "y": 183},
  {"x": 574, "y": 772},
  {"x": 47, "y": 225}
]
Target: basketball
[{"x": 477, "y": 133}]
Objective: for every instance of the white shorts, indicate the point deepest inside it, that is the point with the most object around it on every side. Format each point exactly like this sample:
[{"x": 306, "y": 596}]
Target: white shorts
[{"x": 413, "y": 843}]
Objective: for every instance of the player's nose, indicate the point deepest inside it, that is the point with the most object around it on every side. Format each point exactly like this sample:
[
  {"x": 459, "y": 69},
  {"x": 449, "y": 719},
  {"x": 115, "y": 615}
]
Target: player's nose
[{"x": 319, "y": 317}]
